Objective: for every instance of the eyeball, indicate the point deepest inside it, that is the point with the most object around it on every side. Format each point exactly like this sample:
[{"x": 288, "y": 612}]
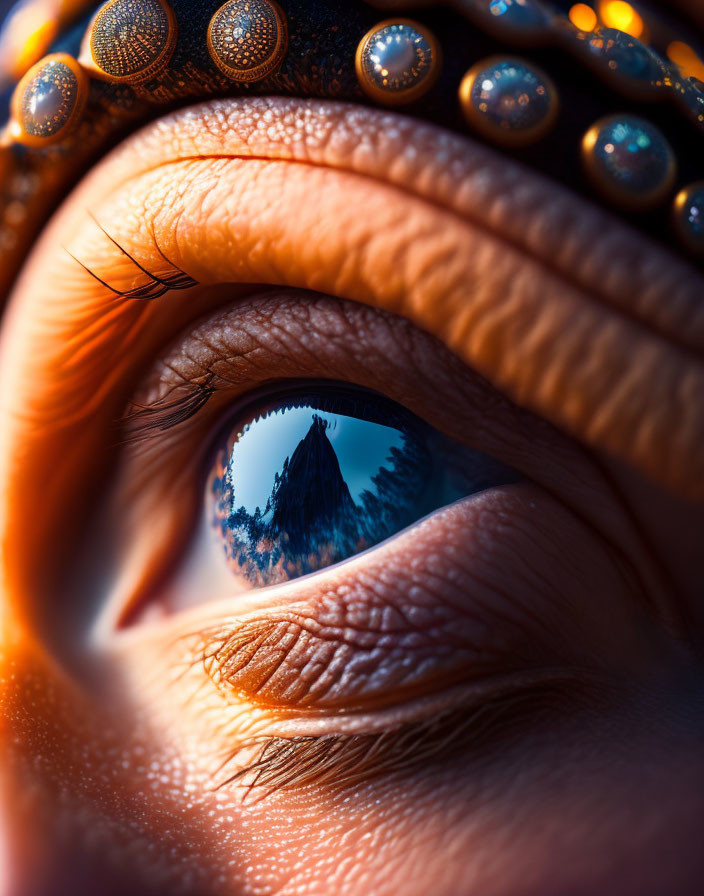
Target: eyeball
[
  {"x": 48, "y": 102},
  {"x": 130, "y": 41}
]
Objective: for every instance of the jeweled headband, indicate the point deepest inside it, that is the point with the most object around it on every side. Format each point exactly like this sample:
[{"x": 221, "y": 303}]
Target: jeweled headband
[{"x": 587, "y": 104}]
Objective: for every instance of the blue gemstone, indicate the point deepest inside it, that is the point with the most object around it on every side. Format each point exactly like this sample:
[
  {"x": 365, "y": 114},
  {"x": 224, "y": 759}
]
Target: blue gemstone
[
  {"x": 689, "y": 217},
  {"x": 692, "y": 99},
  {"x": 633, "y": 155},
  {"x": 512, "y": 97},
  {"x": 519, "y": 14},
  {"x": 626, "y": 55},
  {"x": 694, "y": 214}
]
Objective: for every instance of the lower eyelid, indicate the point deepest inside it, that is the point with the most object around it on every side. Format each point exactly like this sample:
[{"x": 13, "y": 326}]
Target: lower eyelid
[
  {"x": 369, "y": 635},
  {"x": 346, "y": 750},
  {"x": 446, "y": 615},
  {"x": 444, "y": 604}
]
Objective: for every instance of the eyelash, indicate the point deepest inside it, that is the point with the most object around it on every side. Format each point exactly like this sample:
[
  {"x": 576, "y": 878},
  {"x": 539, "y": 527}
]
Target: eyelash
[
  {"x": 139, "y": 423},
  {"x": 156, "y": 287},
  {"x": 339, "y": 761}
]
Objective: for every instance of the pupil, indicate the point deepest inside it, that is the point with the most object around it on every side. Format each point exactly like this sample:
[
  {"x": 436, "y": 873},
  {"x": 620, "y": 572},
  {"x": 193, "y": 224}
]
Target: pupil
[{"x": 315, "y": 478}]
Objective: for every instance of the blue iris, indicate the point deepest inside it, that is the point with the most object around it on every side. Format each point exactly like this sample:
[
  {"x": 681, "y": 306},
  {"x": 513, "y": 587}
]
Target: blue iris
[{"x": 316, "y": 477}]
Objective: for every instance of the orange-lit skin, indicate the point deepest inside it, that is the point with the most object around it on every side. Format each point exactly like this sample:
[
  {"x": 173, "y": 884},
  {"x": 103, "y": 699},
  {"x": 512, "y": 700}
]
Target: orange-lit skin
[
  {"x": 341, "y": 255},
  {"x": 28, "y": 33}
]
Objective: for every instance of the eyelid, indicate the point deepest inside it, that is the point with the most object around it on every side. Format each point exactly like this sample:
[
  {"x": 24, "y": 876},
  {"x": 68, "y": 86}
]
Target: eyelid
[
  {"x": 469, "y": 267},
  {"x": 450, "y": 602},
  {"x": 70, "y": 352},
  {"x": 365, "y": 645}
]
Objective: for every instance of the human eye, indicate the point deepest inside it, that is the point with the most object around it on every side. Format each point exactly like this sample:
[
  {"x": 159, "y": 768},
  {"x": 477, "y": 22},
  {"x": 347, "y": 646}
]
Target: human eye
[
  {"x": 350, "y": 469},
  {"x": 311, "y": 478}
]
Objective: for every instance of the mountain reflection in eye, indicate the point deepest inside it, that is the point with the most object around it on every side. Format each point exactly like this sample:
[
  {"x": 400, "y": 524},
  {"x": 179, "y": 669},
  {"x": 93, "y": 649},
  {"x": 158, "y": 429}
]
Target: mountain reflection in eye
[{"x": 317, "y": 477}]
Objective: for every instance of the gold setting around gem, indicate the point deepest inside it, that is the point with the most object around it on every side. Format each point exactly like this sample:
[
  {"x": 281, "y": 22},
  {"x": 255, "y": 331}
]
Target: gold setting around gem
[
  {"x": 130, "y": 41},
  {"x": 628, "y": 201},
  {"x": 247, "y": 56},
  {"x": 503, "y": 136},
  {"x": 388, "y": 96},
  {"x": 61, "y": 73}
]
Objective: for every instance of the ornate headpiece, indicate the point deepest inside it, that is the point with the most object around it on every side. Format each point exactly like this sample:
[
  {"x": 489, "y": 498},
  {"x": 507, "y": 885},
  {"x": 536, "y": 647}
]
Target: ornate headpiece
[{"x": 576, "y": 88}]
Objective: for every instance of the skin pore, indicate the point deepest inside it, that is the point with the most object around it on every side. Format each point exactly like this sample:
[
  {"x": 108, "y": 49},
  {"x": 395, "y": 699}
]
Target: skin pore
[{"x": 512, "y": 687}]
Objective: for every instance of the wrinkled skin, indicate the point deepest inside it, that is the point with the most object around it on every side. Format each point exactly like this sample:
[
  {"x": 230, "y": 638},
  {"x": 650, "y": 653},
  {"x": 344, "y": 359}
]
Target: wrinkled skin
[{"x": 572, "y": 601}]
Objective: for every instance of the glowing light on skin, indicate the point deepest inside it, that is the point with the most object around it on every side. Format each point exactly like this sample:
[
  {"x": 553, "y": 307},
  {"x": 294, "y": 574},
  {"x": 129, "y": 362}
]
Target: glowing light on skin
[
  {"x": 688, "y": 61},
  {"x": 28, "y": 33},
  {"x": 583, "y": 17},
  {"x": 622, "y": 16}
]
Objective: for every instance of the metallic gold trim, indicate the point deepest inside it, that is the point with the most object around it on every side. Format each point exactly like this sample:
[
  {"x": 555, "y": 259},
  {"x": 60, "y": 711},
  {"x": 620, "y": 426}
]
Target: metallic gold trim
[
  {"x": 389, "y": 97},
  {"x": 137, "y": 57},
  {"x": 47, "y": 130},
  {"x": 226, "y": 47}
]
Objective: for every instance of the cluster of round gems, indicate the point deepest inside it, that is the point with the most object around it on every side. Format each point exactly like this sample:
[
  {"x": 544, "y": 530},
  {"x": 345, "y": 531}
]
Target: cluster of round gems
[
  {"x": 48, "y": 101},
  {"x": 509, "y": 101},
  {"x": 398, "y": 62},
  {"x": 248, "y": 39},
  {"x": 624, "y": 62},
  {"x": 132, "y": 41},
  {"x": 629, "y": 161},
  {"x": 689, "y": 218}
]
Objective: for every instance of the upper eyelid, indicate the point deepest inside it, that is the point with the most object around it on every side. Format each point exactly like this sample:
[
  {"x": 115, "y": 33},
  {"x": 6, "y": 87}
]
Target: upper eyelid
[
  {"x": 194, "y": 370},
  {"x": 401, "y": 159},
  {"x": 631, "y": 288}
]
